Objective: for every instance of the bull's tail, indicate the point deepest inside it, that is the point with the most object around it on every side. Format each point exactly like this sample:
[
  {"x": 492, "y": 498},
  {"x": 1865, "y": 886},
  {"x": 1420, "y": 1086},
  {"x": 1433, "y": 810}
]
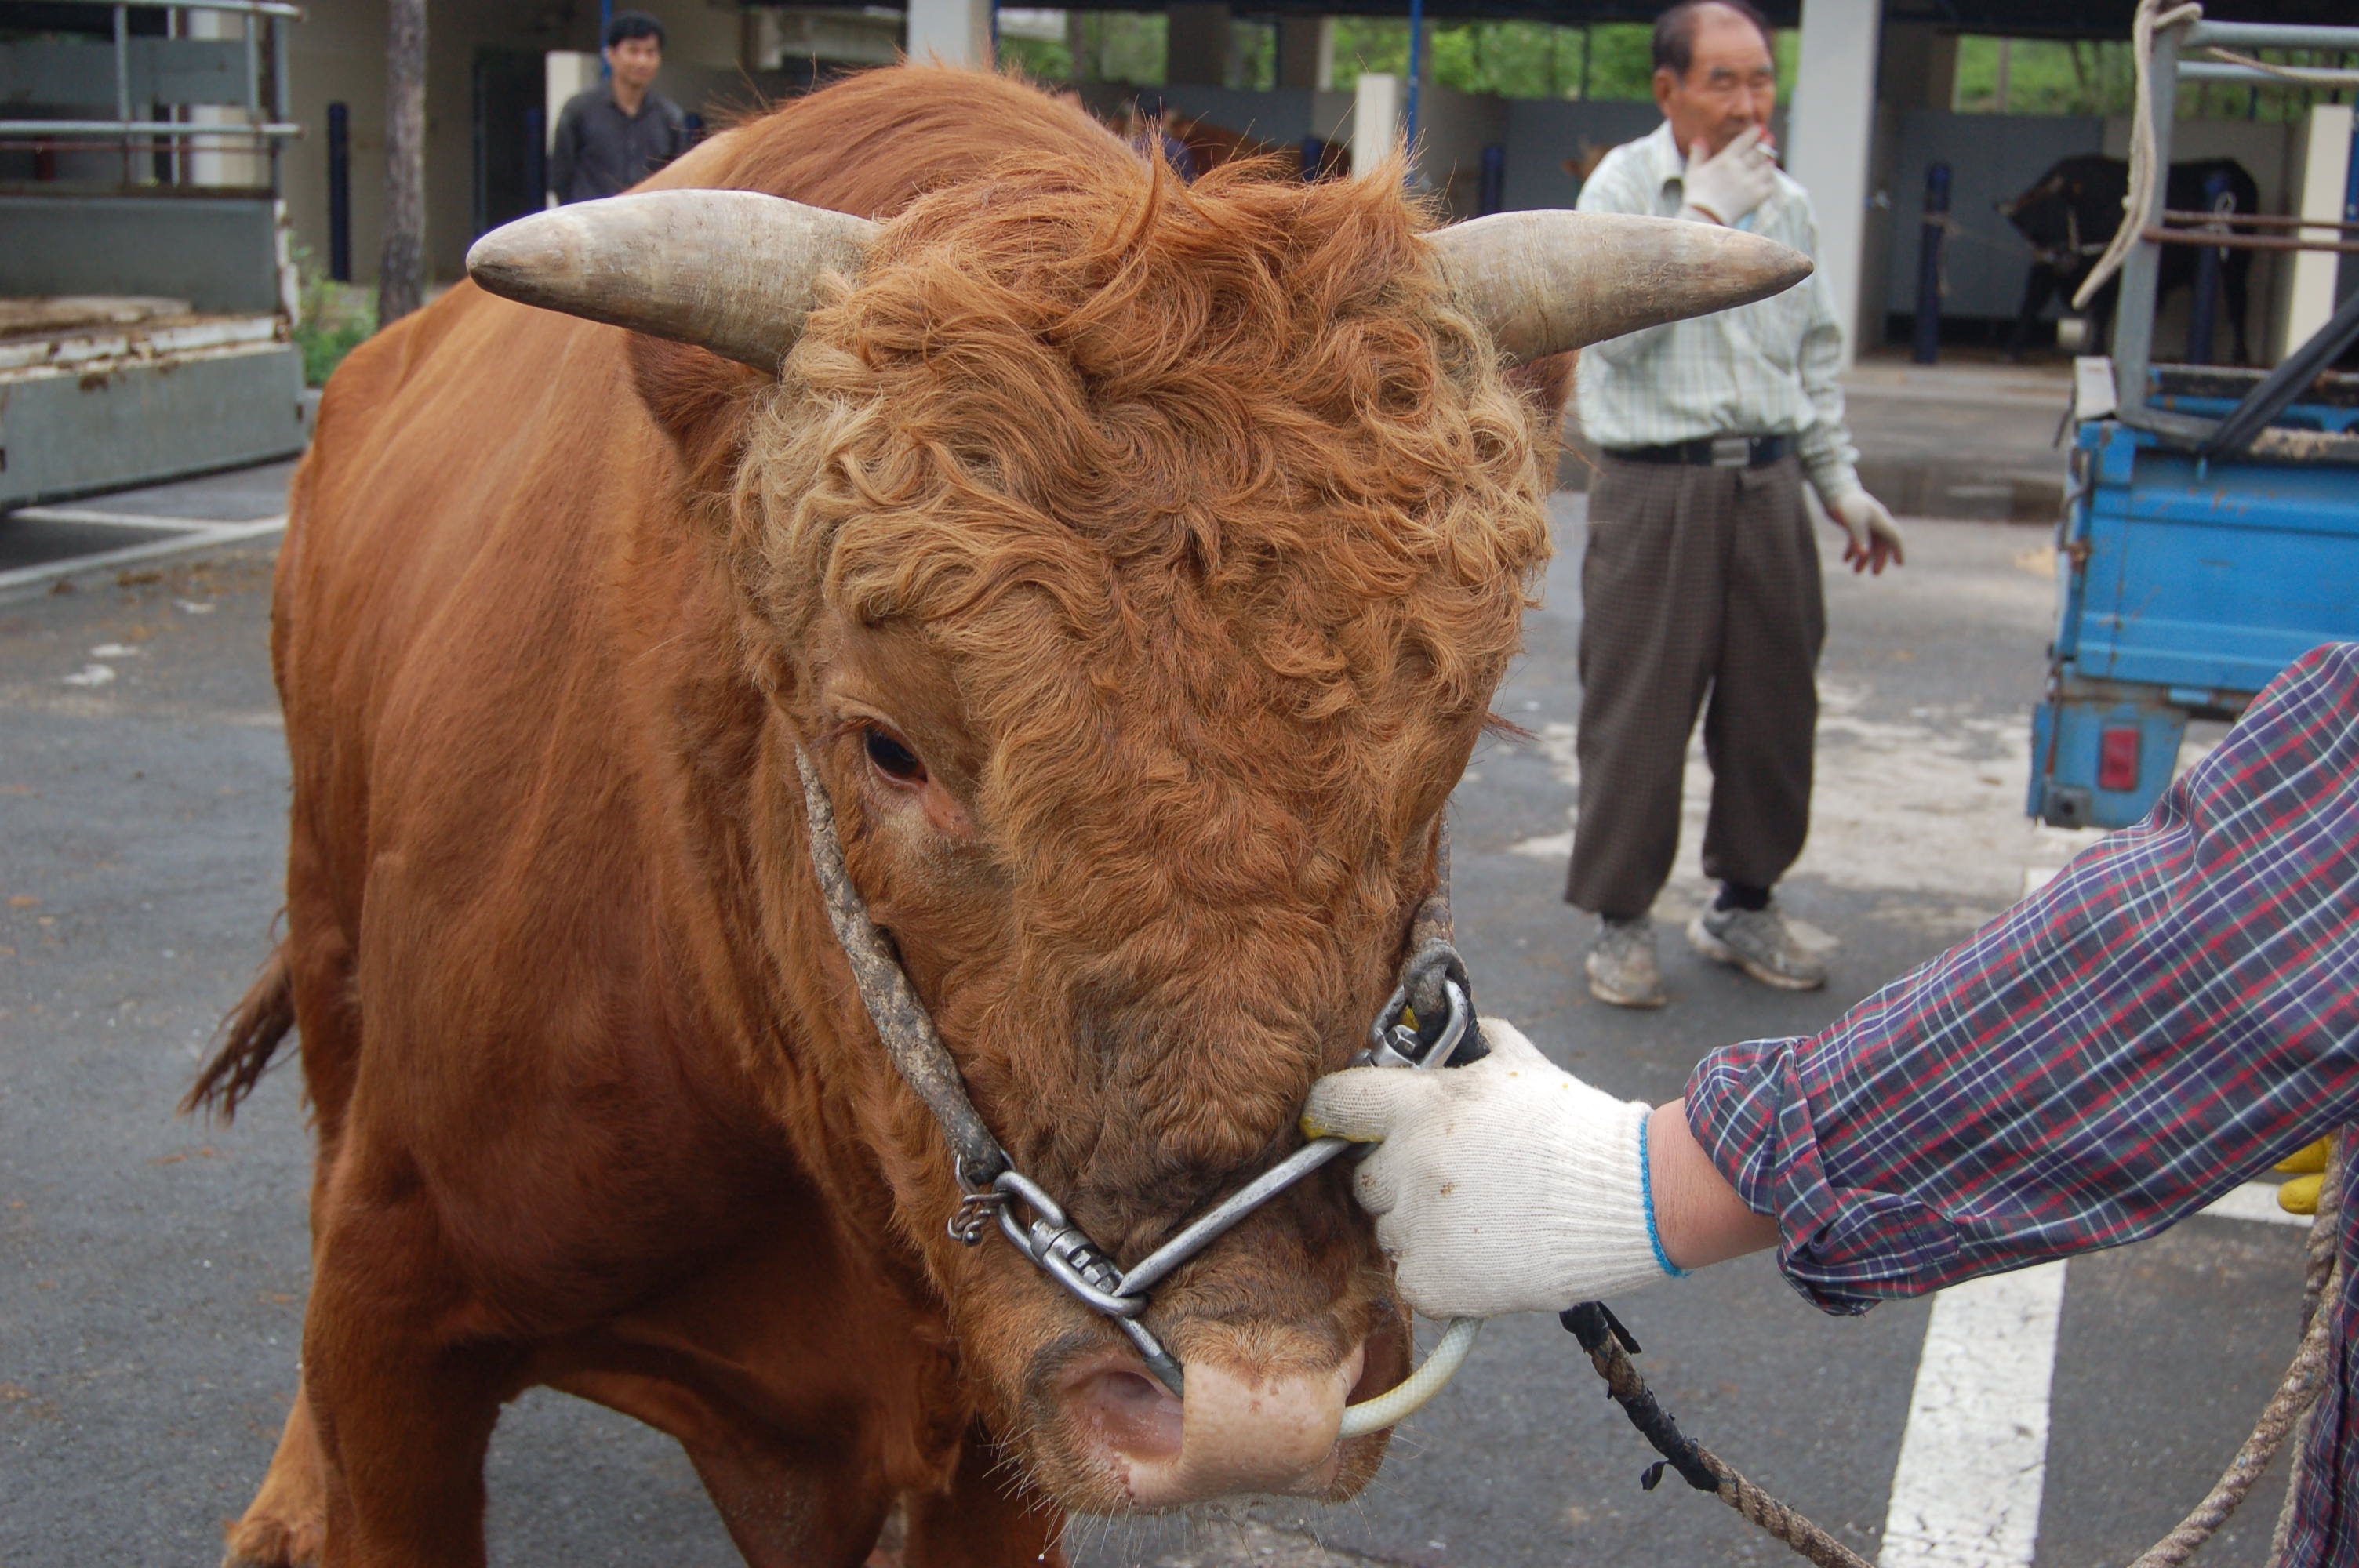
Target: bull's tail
[{"x": 253, "y": 1033}]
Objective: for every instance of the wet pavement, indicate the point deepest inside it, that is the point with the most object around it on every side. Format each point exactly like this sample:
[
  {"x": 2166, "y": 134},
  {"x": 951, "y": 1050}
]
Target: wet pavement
[{"x": 153, "y": 1270}]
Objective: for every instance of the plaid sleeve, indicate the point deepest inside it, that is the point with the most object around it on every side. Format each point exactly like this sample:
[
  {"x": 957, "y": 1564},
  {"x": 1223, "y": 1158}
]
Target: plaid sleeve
[{"x": 2173, "y": 1013}]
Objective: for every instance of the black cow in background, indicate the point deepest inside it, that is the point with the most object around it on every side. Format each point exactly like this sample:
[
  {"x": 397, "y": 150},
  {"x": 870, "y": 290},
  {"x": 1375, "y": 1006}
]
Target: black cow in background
[{"x": 2070, "y": 216}]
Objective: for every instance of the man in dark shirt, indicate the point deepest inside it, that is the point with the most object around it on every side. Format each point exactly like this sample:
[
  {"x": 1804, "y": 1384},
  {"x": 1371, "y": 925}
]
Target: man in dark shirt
[{"x": 615, "y": 135}]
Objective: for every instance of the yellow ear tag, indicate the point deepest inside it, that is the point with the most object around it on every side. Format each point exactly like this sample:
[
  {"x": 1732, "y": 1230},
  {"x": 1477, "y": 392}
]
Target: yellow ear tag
[{"x": 1314, "y": 1131}]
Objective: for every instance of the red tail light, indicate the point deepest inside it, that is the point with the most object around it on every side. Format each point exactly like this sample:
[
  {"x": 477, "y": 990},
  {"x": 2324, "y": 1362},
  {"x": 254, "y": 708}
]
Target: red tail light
[{"x": 2117, "y": 760}]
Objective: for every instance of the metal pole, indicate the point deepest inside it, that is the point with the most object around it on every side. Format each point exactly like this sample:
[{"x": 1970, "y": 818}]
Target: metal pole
[
  {"x": 2203, "y": 310},
  {"x": 1494, "y": 180},
  {"x": 1416, "y": 65},
  {"x": 1929, "y": 265},
  {"x": 123, "y": 81},
  {"x": 340, "y": 192},
  {"x": 282, "y": 99}
]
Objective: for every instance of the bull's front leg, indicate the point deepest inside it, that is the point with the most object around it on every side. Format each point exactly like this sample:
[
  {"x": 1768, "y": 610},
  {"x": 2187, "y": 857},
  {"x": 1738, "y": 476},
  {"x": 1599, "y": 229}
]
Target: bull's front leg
[
  {"x": 284, "y": 1526},
  {"x": 2039, "y": 283},
  {"x": 403, "y": 1404}
]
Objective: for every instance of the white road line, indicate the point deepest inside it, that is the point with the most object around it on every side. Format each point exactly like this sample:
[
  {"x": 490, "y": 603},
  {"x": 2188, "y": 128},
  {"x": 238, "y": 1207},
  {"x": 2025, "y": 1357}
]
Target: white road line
[
  {"x": 84, "y": 515},
  {"x": 2255, "y": 1201},
  {"x": 196, "y": 535},
  {"x": 1973, "y": 1458},
  {"x": 1966, "y": 1491}
]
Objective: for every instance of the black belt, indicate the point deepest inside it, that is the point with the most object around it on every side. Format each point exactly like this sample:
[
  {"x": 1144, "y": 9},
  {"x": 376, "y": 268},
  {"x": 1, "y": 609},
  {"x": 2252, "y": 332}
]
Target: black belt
[{"x": 1713, "y": 452}]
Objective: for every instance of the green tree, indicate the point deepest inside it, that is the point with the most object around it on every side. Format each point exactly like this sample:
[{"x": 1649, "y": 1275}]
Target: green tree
[
  {"x": 1118, "y": 46},
  {"x": 1042, "y": 59}
]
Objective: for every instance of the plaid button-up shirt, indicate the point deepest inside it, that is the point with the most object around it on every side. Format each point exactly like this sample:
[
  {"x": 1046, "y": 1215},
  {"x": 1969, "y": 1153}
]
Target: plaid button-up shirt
[
  {"x": 2173, "y": 1013},
  {"x": 1770, "y": 368}
]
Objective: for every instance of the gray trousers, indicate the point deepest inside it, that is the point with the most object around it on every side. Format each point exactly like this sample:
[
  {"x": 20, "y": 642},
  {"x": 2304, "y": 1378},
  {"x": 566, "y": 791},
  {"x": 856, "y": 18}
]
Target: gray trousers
[{"x": 1700, "y": 592}]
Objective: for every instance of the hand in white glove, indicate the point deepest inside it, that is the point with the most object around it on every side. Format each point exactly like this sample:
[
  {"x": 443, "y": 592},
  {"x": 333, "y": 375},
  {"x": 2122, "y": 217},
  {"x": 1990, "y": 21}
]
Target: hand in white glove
[
  {"x": 1724, "y": 189},
  {"x": 1875, "y": 536},
  {"x": 1501, "y": 1186}
]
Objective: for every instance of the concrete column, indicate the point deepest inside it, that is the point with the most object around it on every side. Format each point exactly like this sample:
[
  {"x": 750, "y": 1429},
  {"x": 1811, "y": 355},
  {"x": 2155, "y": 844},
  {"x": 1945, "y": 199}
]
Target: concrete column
[
  {"x": 956, "y": 32},
  {"x": 1377, "y": 104},
  {"x": 1832, "y": 121},
  {"x": 1197, "y": 51},
  {"x": 1917, "y": 66},
  {"x": 2325, "y": 180},
  {"x": 1306, "y": 52}
]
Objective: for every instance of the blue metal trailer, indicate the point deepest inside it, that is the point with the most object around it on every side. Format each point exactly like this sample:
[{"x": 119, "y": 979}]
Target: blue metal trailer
[{"x": 2211, "y": 526}]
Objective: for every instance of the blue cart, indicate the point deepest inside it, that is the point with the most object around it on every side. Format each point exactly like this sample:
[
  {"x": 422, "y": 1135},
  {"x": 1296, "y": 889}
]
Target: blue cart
[
  {"x": 2211, "y": 526},
  {"x": 2184, "y": 586}
]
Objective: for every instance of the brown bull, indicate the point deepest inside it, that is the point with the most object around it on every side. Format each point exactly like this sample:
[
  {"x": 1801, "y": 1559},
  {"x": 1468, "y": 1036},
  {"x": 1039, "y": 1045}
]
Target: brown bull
[{"x": 1134, "y": 564}]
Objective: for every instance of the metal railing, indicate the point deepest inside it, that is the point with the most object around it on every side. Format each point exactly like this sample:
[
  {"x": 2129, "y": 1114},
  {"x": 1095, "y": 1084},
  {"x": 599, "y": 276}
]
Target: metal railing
[
  {"x": 265, "y": 128},
  {"x": 2132, "y": 337}
]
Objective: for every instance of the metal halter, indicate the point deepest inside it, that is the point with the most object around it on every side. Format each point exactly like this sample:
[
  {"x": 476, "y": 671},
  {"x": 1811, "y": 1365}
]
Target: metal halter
[{"x": 1428, "y": 1021}]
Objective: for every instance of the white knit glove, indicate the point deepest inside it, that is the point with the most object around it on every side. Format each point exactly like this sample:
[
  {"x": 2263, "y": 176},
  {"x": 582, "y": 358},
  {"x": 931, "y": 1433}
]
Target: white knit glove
[
  {"x": 1875, "y": 536},
  {"x": 1504, "y": 1185},
  {"x": 1725, "y": 189}
]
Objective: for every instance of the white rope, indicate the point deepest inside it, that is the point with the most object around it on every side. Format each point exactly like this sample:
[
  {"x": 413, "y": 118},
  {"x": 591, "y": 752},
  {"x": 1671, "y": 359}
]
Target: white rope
[
  {"x": 2152, "y": 18},
  {"x": 1405, "y": 1401}
]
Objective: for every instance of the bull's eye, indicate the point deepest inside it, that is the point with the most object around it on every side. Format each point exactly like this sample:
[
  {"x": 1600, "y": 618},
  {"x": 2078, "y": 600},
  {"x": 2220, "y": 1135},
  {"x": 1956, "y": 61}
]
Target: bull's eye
[{"x": 896, "y": 762}]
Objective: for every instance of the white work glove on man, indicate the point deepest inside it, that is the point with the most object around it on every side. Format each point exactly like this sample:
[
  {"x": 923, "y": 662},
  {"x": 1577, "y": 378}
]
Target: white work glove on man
[
  {"x": 1725, "y": 188},
  {"x": 1875, "y": 536},
  {"x": 1504, "y": 1185}
]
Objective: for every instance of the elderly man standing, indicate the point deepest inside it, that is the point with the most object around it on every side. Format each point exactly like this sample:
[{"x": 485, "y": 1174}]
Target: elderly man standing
[{"x": 1700, "y": 589}]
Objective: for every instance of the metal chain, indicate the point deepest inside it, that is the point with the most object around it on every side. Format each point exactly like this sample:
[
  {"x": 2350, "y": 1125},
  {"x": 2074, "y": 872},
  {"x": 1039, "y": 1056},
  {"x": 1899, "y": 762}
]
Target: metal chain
[
  {"x": 1610, "y": 1347},
  {"x": 1429, "y": 1021}
]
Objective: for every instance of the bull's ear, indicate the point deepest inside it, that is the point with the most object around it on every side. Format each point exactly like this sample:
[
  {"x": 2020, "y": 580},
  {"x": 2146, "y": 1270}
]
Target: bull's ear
[
  {"x": 699, "y": 399},
  {"x": 1546, "y": 383}
]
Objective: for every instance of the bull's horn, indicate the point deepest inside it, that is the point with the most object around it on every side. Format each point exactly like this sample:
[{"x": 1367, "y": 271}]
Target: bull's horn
[
  {"x": 732, "y": 271},
  {"x": 1547, "y": 282}
]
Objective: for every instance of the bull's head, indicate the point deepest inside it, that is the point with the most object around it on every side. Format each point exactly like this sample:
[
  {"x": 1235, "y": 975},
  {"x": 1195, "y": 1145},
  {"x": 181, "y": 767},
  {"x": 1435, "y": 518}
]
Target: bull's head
[
  {"x": 2042, "y": 215},
  {"x": 1136, "y": 565}
]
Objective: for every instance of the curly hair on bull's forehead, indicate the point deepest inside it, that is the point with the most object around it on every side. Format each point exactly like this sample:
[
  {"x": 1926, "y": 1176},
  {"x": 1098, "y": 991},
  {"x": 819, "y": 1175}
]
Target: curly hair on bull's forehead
[{"x": 1100, "y": 408}]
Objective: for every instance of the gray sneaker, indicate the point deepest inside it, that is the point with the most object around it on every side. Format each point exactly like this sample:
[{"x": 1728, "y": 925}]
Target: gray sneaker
[
  {"x": 1756, "y": 941},
  {"x": 1622, "y": 968}
]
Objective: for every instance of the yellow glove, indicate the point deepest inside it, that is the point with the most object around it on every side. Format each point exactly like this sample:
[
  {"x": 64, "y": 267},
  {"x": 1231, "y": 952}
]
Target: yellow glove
[
  {"x": 2306, "y": 1161},
  {"x": 2299, "y": 1195}
]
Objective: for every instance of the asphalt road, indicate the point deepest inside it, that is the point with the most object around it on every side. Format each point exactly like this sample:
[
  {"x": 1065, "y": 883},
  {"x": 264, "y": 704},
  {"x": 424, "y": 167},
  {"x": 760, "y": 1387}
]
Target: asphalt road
[{"x": 153, "y": 1270}]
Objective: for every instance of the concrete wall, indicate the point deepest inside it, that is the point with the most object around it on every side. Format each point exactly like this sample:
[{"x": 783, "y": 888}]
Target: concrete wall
[
  {"x": 2318, "y": 186},
  {"x": 1282, "y": 117},
  {"x": 338, "y": 55},
  {"x": 1546, "y": 140},
  {"x": 1452, "y": 130},
  {"x": 1990, "y": 158}
]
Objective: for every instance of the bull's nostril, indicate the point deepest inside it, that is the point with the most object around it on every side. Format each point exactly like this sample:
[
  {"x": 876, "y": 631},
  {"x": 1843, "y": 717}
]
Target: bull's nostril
[{"x": 1134, "y": 1414}]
